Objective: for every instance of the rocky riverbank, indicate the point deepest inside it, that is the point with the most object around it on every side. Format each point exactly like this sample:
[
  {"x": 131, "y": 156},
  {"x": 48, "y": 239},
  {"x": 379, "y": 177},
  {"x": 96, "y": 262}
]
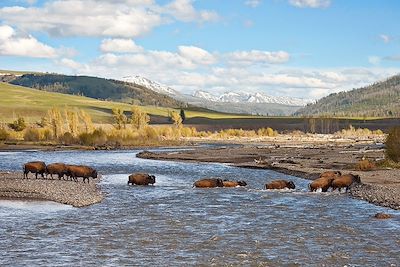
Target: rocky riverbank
[
  {"x": 12, "y": 186},
  {"x": 381, "y": 186}
]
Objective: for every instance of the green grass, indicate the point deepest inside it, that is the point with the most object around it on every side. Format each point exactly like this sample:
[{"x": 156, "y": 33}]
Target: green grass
[{"x": 33, "y": 104}]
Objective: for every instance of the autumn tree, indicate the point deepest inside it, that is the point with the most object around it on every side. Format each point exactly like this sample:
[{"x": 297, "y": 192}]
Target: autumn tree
[
  {"x": 177, "y": 119},
  {"x": 139, "y": 118},
  {"x": 87, "y": 121},
  {"x": 119, "y": 118},
  {"x": 56, "y": 122},
  {"x": 72, "y": 120}
]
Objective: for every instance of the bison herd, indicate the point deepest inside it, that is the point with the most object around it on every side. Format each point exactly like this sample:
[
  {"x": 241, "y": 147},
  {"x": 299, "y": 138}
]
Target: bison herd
[
  {"x": 329, "y": 179},
  {"x": 64, "y": 171}
]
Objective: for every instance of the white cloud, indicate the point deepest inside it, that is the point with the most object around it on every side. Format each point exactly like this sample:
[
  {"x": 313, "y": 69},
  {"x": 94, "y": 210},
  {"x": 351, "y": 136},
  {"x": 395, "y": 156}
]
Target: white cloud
[
  {"x": 252, "y": 3},
  {"x": 121, "y": 18},
  {"x": 257, "y": 56},
  {"x": 385, "y": 38},
  {"x": 310, "y": 3},
  {"x": 12, "y": 44},
  {"x": 69, "y": 63},
  {"x": 120, "y": 46},
  {"x": 196, "y": 55},
  {"x": 374, "y": 60}
]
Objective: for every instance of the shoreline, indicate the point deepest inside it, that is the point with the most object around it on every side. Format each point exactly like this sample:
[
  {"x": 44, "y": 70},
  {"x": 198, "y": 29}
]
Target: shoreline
[
  {"x": 13, "y": 186},
  {"x": 379, "y": 186}
]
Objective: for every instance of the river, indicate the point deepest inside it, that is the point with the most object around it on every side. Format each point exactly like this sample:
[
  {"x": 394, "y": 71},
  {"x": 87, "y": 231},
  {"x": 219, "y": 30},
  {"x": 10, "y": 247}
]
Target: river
[{"x": 173, "y": 224}]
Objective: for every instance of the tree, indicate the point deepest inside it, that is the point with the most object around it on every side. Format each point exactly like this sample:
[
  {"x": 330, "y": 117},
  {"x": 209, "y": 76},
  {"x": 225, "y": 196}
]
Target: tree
[
  {"x": 139, "y": 118},
  {"x": 72, "y": 121},
  {"x": 182, "y": 114},
  {"x": 87, "y": 121},
  {"x": 393, "y": 144},
  {"x": 56, "y": 122},
  {"x": 18, "y": 125},
  {"x": 177, "y": 119},
  {"x": 119, "y": 118}
]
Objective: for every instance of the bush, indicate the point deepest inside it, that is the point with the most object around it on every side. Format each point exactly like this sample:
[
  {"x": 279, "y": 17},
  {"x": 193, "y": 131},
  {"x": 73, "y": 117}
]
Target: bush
[
  {"x": 18, "y": 125},
  {"x": 67, "y": 139},
  {"x": 32, "y": 135},
  {"x": 365, "y": 165},
  {"x": 393, "y": 144},
  {"x": 97, "y": 138},
  {"x": 4, "y": 134}
]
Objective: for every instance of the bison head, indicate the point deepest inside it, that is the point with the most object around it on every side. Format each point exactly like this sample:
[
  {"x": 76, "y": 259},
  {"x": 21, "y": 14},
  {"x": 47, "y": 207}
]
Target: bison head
[
  {"x": 242, "y": 183},
  {"x": 291, "y": 185},
  {"x": 357, "y": 179},
  {"x": 151, "y": 179},
  {"x": 94, "y": 174},
  {"x": 220, "y": 183}
]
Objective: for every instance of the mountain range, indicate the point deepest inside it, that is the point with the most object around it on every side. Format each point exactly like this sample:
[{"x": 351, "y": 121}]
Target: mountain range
[{"x": 233, "y": 102}]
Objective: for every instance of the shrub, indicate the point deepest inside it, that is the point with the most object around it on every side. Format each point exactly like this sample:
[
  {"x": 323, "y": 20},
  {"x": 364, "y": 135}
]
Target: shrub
[
  {"x": 67, "y": 139},
  {"x": 32, "y": 134},
  {"x": 365, "y": 165},
  {"x": 393, "y": 144},
  {"x": 18, "y": 125},
  {"x": 4, "y": 134}
]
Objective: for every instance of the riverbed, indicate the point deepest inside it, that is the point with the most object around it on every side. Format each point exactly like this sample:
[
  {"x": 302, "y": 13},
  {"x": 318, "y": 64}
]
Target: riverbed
[{"x": 174, "y": 224}]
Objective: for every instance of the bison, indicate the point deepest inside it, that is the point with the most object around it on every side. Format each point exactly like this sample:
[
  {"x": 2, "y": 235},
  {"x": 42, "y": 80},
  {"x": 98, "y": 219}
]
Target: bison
[
  {"x": 323, "y": 182},
  {"x": 345, "y": 181},
  {"x": 57, "y": 168},
  {"x": 209, "y": 182},
  {"x": 75, "y": 171},
  {"x": 227, "y": 183},
  {"x": 141, "y": 179},
  {"x": 280, "y": 184},
  {"x": 36, "y": 167}
]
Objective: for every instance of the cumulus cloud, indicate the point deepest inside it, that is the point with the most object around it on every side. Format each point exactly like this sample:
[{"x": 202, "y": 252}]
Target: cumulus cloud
[
  {"x": 12, "y": 44},
  {"x": 385, "y": 38},
  {"x": 257, "y": 56},
  {"x": 374, "y": 60},
  {"x": 196, "y": 55},
  {"x": 120, "y": 46},
  {"x": 252, "y": 3},
  {"x": 310, "y": 3},
  {"x": 120, "y": 19}
]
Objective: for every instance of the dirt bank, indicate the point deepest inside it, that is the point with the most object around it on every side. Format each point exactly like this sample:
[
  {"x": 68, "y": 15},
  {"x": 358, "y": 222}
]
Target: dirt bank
[
  {"x": 66, "y": 192},
  {"x": 380, "y": 186}
]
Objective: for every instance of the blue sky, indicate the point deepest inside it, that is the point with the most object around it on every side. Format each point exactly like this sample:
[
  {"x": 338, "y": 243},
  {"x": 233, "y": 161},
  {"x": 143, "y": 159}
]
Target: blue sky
[{"x": 302, "y": 48}]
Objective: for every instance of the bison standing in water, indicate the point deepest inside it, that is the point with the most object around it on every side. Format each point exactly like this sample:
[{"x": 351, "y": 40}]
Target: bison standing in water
[
  {"x": 280, "y": 184},
  {"x": 324, "y": 181},
  {"x": 234, "y": 183},
  {"x": 36, "y": 167},
  {"x": 141, "y": 179},
  {"x": 209, "y": 183},
  {"x": 75, "y": 171},
  {"x": 345, "y": 181},
  {"x": 57, "y": 168}
]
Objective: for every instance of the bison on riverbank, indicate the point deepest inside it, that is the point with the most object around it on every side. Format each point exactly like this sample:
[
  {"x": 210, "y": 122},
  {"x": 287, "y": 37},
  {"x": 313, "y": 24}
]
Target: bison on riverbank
[
  {"x": 345, "y": 181},
  {"x": 209, "y": 183},
  {"x": 36, "y": 167},
  {"x": 75, "y": 171},
  {"x": 333, "y": 174},
  {"x": 280, "y": 184},
  {"x": 57, "y": 168},
  {"x": 227, "y": 183},
  {"x": 141, "y": 179},
  {"x": 323, "y": 182}
]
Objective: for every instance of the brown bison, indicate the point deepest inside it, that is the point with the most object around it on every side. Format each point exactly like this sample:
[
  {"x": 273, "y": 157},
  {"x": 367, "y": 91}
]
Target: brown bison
[
  {"x": 75, "y": 171},
  {"x": 227, "y": 183},
  {"x": 323, "y": 182},
  {"x": 208, "y": 183},
  {"x": 333, "y": 174},
  {"x": 141, "y": 179},
  {"x": 345, "y": 181},
  {"x": 57, "y": 168},
  {"x": 36, "y": 167},
  {"x": 280, "y": 184}
]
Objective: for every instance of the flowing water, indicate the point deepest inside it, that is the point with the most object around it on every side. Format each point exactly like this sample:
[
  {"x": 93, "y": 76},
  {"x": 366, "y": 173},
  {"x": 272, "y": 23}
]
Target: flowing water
[{"x": 173, "y": 224}]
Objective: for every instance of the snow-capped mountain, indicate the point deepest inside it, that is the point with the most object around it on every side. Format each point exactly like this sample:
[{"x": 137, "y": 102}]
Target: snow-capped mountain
[
  {"x": 235, "y": 97},
  {"x": 155, "y": 86}
]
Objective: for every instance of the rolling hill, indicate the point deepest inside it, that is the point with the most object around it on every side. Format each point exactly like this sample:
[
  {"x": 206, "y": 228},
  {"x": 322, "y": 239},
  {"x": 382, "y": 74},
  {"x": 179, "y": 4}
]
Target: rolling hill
[
  {"x": 32, "y": 104},
  {"x": 99, "y": 88},
  {"x": 381, "y": 99}
]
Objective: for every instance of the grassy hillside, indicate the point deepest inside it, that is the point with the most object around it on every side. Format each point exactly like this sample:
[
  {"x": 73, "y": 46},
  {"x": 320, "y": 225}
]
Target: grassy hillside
[
  {"x": 381, "y": 99},
  {"x": 33, "y": 104},
  {"x": 95, "y": 87}
]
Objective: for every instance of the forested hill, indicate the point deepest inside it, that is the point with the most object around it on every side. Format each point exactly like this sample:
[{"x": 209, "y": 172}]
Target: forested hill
[
  {"x": 381, "y": 99},
  {"x": 98, "y": 88}
]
